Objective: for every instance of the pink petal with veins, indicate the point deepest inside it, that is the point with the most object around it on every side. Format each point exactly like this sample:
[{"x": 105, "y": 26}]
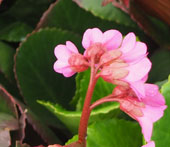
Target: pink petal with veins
[
  {"x": 91, "y": 36},
  {"x": 128, "y": 43},
  {"x": 137, "y": 53},
  {"x": 70, "y": 46},
  {"x": 138, "y": 71},
  {"x": 63, "y": 53},
  {"x": 112, "y": 39}
]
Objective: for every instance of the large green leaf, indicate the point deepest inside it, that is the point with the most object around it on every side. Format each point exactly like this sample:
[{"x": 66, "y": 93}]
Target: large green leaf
[
  {"x": 15, "y": 32},
  {"x": 102, "y": 89},
  {"x": 160, "y": 66},
  {"x": 28, "y": 11},
  {"x": 6, "y": 60},
  {"x": 20, "y": 18},
  {"x": 108, "y": 12},
  {"x": 6, "y": 69},
  {"x": 72, "y": 118},
  {"x": 113, "y": 133},
  {"x": 118, "y": 133},
  {"x": 35, "y": 74},
  {"x": 161, "y": 132},
  {"x": 77, "y": 19},
  {"x": 7, "y": 104}
]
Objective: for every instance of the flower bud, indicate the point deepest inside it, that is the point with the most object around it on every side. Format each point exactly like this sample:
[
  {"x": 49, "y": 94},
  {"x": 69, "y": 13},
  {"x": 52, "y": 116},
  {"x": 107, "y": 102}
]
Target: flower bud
[
  {"x": 109, "y": 57},
  {"x": 95, "y": 51},
  {"x": 78, "y": 62}
]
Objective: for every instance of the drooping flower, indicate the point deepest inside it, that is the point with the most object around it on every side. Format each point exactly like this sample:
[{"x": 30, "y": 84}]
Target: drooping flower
[
  {"x": 145, "y": 110},
  {"x": 69, "y": 61}
]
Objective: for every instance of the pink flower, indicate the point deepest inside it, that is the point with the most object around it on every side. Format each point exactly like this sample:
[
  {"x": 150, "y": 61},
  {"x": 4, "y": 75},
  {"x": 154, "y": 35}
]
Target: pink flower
[
  {"x": 110, "y": 39},
  {"x": 150, "y": 144},
  {"x": 69, "y": 60},
  {"x": 121, "y": 62},
  {"x": 130, "y": 66},
  {"x": 145, "y": 110}
]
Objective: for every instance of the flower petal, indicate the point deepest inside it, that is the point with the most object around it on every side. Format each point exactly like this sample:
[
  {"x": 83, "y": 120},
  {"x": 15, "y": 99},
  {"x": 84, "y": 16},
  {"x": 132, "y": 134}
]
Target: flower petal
[
  {"x": 62, "y": 52},
  {"x": 63, "y": 68},
  {"x": 139, "y": 88},
  {"x": 154, "y": 113},
  {"x": 147, "y": 126},
  {"x": 137, "y": 53},
  {"x": 112, "y": 39},
  {"x": 92, "y": 36},
  {"x": 128, "y": 43},
  {"x": 71, "y": 47},
  {"x": 68, "y": 72},
  {"x": 59, "y": 65},
  {"x": 138, "y": 71},
  {"x": 154, "y": 98}
]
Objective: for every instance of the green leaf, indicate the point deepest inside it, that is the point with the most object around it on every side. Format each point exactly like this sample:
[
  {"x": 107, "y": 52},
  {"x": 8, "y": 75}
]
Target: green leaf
[
  {"x": 15, "y": 32},
  {"x": 28, "y": 11},
  {"x": 7, "y": 104},
  {"x": 102, "y": 89},
  {"x": 35, "y": 74},
  {"x": 71, "y": 118},
  {"x": 112, "y": 133},
  {"x": 108, "y": 12},
  {"x": 160, "y": 83},
  {"x": 6, "y": 60},
  {"x": 6, "y": 69},
  {"x": 160, "y": 66},
  {"x": 119, "y": 133},
  {"x": 161, "y": 131},
  {"x": 73, "y": 139},
  {"x": 76, "y": 19}
]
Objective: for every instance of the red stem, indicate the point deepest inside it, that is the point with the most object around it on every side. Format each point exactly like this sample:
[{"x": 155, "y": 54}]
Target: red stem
[
  {"x": 86, "y": 108},
  {"x": 108, "y": 98}
]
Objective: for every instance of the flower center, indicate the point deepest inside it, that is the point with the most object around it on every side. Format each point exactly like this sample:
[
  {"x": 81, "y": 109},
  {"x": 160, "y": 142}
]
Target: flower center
[{"x": 95, "y": 51}]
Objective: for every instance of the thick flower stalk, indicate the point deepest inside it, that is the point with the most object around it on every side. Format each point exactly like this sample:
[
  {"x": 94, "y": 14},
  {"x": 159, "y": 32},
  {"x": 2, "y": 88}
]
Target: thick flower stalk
[{"x": 122, "y": 62}]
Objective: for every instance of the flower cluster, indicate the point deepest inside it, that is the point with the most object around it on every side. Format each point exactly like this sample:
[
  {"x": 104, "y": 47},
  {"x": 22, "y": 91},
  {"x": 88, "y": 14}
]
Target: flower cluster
[{"x": 123, "y": 62}]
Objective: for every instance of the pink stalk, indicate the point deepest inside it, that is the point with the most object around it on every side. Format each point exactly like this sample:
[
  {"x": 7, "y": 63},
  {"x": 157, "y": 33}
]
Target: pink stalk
[
  {"x": 86, "y": 108},
  {"x": 108, "y": 98}
]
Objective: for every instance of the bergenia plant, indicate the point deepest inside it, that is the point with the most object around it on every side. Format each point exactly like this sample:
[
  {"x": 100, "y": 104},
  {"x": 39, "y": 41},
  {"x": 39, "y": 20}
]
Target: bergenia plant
[{"x": 121, "y": 61}]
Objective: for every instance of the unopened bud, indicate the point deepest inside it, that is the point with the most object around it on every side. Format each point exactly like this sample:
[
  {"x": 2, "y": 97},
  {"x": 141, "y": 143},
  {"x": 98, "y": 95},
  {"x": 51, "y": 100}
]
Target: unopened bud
[
  {"x": 78, "y": 63},
  {"x": 95, "y": 51},
  {"x": 109, "y": 57},
  {"x": 137, "y": 112},
  {"x": 130, "y": 108},
  {"x": 113, "y": 73},
  {"x": 121, "y": 91}
]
